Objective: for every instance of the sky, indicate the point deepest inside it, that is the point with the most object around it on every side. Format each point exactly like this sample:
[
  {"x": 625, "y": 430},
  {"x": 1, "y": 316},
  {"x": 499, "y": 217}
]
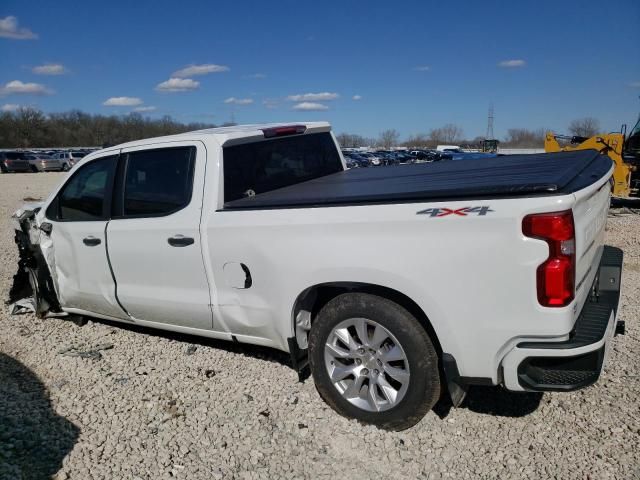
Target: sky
[{"x": 363, "y": 66}]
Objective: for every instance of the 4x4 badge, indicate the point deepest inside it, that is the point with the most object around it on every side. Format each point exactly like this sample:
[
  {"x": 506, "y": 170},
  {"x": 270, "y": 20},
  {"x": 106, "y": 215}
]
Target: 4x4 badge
[{"x": 461, "y": 212}]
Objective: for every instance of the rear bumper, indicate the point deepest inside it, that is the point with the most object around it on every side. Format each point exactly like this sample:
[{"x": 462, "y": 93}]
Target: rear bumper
[{"x": 576, "y": 362}]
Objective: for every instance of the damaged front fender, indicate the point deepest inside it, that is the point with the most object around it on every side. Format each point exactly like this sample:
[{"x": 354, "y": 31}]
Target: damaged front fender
[{"x": 33, "y": 278}]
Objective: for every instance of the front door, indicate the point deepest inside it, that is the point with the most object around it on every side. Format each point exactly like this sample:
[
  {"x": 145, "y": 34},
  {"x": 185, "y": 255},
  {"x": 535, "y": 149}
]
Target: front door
[
  {"x": 76, "y": 249},
  {"x": 154, "y": 235}
]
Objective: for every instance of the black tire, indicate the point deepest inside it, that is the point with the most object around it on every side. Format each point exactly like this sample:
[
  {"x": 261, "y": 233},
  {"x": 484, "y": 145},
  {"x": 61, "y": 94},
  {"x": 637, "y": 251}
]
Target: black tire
[
  {"x": 34, "y": 169},
  {"x": 424, "y": 385},
  {"x": 65, "y": 167}
]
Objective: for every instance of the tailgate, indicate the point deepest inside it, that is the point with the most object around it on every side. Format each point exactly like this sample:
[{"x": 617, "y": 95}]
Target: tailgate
[{"x": 590, "y": 218}]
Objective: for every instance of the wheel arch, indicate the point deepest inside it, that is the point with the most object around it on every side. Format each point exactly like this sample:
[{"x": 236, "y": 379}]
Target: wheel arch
[{"x": 311, "y": 300}]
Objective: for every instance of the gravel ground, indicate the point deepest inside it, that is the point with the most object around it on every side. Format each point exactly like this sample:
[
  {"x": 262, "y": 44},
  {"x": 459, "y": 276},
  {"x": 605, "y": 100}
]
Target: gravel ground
[{"x": 146, "y": 404}]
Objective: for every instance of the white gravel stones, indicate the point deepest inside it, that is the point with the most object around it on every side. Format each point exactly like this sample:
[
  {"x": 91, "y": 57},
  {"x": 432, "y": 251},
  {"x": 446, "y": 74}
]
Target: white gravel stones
[{"x": 163, "y": 406}]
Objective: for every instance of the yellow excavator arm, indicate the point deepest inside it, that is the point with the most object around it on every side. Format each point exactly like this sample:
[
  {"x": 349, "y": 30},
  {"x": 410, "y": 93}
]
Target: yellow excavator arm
[{"x": 611, "y": 144}]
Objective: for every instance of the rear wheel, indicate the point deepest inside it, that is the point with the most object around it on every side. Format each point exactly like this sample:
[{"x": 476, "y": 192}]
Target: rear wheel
[
  {"x": 34, "y": 169},
  {"x": 65, "y": 167},
  {"x": 372, "y": 360}
]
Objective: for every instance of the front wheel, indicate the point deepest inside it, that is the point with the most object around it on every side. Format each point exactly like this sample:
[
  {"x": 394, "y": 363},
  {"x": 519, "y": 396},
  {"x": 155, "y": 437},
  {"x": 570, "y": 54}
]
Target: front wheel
[
  {"x": 65, "y": 167},
  {"x": 372, "y": 360}
]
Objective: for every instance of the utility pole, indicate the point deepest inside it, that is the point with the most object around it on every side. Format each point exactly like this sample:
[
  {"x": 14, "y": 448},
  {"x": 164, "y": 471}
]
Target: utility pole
[{"x": 489, "y": 135}]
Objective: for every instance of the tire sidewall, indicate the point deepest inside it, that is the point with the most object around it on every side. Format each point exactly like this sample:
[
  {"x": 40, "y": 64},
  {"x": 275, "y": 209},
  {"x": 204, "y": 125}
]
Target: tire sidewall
[{"x": 424, "y": 384}]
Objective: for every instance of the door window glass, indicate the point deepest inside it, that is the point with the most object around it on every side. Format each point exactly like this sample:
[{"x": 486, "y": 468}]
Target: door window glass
[
  {"x": 83, "y": 197},
  {"x": 158, "y": 182}
]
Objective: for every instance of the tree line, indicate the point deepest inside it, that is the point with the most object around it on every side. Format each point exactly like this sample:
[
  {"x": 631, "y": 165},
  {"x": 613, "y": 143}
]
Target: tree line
[
  {"x": 454, "y": 134},
  {"x": 31, "y": 128}
]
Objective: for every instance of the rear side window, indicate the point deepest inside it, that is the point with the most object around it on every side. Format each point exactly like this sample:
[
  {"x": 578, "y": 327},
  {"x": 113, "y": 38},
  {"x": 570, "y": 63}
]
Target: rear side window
[
  {"x": 254, "y": 168},
  {"x": 83, "y": 198},
  {"x": 158, "y": 182}
]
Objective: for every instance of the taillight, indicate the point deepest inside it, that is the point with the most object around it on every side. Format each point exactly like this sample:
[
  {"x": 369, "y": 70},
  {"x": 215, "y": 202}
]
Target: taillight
[
  {"x": 283, "y": 131},
  {"x": 556, "y": 276}
]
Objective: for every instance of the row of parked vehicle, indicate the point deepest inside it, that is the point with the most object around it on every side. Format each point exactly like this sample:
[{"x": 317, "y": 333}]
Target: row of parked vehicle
[
  {"x": 359, "y": 159},
  {"x": 40, "y": 161}
]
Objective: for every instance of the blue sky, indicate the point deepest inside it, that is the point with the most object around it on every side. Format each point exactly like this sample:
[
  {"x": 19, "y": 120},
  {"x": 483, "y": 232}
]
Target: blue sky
[{"x": 363, "y": 66}]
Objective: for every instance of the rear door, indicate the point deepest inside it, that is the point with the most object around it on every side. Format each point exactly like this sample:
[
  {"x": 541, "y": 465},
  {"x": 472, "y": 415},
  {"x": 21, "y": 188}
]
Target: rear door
[
  {"x": 154, "y": 234},
  {"x": 77, "y": 252}
]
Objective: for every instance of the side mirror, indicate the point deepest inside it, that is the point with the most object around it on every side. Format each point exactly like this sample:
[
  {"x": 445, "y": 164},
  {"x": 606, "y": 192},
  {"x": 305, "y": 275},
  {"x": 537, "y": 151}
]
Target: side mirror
[{"x": 46, "y": 227}]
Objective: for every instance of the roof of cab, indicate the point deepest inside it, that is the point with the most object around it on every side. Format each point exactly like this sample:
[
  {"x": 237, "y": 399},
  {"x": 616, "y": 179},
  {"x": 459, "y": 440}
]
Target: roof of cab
[{"x": 223, "y": 134}]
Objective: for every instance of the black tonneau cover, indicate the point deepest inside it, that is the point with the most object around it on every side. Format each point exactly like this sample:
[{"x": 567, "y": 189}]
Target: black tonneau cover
[{"x": 503, "y": 176}]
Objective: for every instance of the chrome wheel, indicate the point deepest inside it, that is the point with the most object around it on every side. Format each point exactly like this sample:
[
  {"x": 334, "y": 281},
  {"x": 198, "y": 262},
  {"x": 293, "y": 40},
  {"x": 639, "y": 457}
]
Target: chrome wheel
[{"x": 366, "y": 364}]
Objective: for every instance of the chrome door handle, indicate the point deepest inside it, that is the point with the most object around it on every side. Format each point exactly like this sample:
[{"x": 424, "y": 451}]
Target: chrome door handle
[
  {"x": 180, "y": 241},
  {"x": 91, "y": 241}
]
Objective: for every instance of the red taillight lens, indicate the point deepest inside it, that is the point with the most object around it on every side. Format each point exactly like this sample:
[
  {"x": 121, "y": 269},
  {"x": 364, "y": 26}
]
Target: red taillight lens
[
  {"x": 283, "y": 131},
  {"x": 556, "y": 276}
]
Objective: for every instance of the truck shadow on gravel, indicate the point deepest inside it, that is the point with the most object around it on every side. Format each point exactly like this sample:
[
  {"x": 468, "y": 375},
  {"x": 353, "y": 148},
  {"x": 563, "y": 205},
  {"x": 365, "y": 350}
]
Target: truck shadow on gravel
[
  {"x": 34, "y": 439},
  {"x": 495, "y": 401},
  {"x": 245, "y": 349}
]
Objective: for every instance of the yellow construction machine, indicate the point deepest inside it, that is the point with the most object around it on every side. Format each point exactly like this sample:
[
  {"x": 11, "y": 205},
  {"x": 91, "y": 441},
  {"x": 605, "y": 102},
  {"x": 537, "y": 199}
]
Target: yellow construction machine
[{"x": 625, "y": 153}]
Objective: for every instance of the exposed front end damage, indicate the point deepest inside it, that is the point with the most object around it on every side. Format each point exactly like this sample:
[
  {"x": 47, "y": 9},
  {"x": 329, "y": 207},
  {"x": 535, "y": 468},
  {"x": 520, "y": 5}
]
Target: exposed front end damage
[{"x": 33, "y": 278}]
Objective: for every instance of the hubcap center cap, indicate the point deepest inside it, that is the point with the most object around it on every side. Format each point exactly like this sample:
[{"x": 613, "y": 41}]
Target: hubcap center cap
[{"x": 369, "y": 361}]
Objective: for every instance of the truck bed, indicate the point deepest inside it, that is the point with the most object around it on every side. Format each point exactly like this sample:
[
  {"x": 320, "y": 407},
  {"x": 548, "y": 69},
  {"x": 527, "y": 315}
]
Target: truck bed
[{"x": 503, "y": 176}]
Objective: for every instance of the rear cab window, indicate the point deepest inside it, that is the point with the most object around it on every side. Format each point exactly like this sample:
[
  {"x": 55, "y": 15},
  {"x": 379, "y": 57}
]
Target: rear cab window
[{"x": 259, "y": 167}]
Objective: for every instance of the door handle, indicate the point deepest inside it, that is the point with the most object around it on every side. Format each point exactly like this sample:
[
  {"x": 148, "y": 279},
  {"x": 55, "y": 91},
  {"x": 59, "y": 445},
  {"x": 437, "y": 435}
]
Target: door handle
[
  {"x": 91, "y": 241},
  {"x": 180, "y": 241}
]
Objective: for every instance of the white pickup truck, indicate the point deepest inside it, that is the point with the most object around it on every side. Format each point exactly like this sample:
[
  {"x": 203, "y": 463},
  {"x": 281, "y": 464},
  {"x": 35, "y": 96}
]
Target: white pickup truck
[{"x": 393, "y": 284}]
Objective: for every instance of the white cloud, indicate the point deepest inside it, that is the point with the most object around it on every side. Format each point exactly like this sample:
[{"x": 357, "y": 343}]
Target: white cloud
[
  {"x": 256, "y": 75},
  {"x": 271, "y": 103},
  {"x": 310, "y": 107},
  {"x": 512, "y": 63},
  {"x": 122, "y": 102},
  {"x": 178, "y": 85},
  {"x": 145, "y": 109},
  {"x": 16, "y": 86},
  {"x": 193, "y": 70},
  {"x": 357, "y": 97},
  {"x": 313, "y": 97},
  {"x": 10, "y": 107},
  {"x": 239, "y": 101},
  {"x": 422, "y": 68},
  {"x": 9, "y": 29},
  {"x": 49, "y": 69},
  {"x": 634, "y": 84}
]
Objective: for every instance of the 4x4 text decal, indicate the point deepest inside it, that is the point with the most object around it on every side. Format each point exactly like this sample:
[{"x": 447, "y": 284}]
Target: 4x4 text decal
[{"x": 461, "y": 212}]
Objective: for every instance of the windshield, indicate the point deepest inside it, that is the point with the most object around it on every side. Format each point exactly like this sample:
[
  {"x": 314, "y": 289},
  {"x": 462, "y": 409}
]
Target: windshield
[{"x": 636, "y": 129}]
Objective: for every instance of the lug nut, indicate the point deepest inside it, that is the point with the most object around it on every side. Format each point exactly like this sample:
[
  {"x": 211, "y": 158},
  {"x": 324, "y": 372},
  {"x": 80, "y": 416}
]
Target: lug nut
[
  {"x": 379, "y": 362},
  {"x": 361, "y": 351},
  {"x": 365, "y": 371},
  {"x": 358, "y": 361},
  {"x": 376, "y": 372}
]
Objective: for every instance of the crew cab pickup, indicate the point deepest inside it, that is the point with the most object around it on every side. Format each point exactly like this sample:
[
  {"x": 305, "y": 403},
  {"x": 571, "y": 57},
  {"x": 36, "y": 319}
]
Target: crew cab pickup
[{"x": 393, "y": 284}]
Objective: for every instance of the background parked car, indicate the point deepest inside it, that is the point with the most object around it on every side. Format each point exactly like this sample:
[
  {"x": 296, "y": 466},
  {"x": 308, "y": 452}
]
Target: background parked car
[
  {"x": 68, "y": 159},
  {"x": 14, "y": 162},
  {"x": 41, "y": 162},
  {"x": 374, "y": 160},
  {"x": 355, "y": 160}
]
